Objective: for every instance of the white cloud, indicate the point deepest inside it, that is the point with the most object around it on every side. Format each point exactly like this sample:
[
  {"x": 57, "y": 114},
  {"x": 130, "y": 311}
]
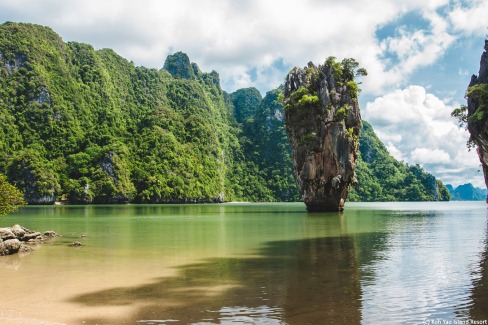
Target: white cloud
[
  {"x": 416, "y": 48},
  {"x": 417, "y": 127},
  {"x": 463, "y": 72},
  {"x": 394, "y": 151},
  {"x": 222, "y": 34},
  {"x": 471, "y": 18},
  {"x": 430, "y": 156}
]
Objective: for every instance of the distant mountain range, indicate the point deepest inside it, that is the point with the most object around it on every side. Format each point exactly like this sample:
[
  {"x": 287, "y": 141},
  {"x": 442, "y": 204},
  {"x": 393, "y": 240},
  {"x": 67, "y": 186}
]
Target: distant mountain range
[{"x": 466, "y": 192}]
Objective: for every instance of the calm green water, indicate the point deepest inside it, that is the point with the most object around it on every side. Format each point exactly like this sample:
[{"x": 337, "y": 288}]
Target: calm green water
[{"x": 375, "y": 263}]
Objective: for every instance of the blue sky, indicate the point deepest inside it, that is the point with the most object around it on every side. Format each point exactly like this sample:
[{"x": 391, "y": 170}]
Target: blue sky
[{"x": 420, "y": 54}]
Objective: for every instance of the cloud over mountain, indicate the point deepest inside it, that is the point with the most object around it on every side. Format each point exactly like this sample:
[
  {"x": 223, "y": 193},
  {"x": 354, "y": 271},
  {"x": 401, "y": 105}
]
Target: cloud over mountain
[
  {"x": 255, "y": 42},
  {"x": 416, "y": 127}
]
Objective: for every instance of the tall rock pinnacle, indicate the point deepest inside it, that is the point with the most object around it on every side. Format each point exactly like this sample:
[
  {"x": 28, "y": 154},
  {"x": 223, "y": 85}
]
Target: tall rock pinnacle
[
  {"x": 323, "y": 122},
  {"x": 477, "y": 116}
]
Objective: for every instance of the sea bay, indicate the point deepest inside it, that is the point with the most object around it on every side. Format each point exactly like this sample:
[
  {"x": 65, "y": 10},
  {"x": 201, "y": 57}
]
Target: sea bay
[{"x": 269, "y": 263}]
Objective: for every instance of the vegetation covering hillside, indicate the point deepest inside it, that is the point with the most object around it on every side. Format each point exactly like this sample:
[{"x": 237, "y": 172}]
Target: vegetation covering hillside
[
  {"x": 382, "y": 178},
  {"x": 91, "y": 127},
  {"x": 265, "y": 143}
]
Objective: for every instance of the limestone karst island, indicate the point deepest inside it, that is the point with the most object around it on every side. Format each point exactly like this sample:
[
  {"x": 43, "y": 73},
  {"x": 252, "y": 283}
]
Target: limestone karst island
[{"x": 323, "y": 122}]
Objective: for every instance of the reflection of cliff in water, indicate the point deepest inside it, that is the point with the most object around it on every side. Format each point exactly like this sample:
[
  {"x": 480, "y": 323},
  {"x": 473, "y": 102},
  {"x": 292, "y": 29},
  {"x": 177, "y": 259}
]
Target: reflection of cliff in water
[
  {"x": 479, "y": 294},
  {"x": 323, "y": 285},
  {"x": 311, "y": 281}
]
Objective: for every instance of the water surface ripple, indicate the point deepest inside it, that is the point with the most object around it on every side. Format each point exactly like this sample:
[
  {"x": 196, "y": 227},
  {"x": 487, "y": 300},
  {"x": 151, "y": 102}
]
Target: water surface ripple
[{"x": 375, "y": 263}]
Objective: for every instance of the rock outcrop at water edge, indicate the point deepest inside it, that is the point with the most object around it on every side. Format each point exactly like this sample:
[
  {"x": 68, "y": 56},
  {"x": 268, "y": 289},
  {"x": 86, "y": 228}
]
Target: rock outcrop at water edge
[
  {"x": 17, "y": 239},
  {"x": 323, "y": 122}
]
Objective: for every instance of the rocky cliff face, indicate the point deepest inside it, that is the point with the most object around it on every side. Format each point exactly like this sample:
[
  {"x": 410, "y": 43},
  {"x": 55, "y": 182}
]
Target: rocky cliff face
[
  {"x": 323, "y": 122},
  {"x": 477, "y": 96}
]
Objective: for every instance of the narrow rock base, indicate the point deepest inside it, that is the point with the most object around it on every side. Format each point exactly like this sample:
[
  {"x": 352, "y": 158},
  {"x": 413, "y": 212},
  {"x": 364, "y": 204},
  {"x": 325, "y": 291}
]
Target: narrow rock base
[{"x": 324, "y": 207}]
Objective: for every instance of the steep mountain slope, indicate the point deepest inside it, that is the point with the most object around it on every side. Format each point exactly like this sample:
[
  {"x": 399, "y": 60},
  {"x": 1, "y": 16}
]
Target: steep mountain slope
[
  {"x": 90, "y": 125},
  {"x": 382, "y": 178},
  {"x": 266, "y": 145}
]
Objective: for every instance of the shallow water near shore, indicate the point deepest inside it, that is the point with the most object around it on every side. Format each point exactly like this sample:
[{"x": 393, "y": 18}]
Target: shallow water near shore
[{"x": 400, "y": 263}]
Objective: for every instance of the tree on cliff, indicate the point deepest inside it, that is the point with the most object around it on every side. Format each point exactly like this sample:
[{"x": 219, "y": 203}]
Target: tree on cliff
[
  {"x": 475, "y": 115},
  {"x": 10, "y": 197}
]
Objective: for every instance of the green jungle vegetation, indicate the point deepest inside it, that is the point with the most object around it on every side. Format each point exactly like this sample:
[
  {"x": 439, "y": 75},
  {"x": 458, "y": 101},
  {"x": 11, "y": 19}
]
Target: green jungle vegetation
[
  {"x": 477, "y": 93},
  {"x": 10, "y": 197},
  {"x": 382, "y": 178},
  {"x": 88, "y": 126}
]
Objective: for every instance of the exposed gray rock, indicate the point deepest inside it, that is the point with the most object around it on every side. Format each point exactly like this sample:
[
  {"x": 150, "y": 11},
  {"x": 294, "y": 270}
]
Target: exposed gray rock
[
  {"x": 111, "y": 166},
  {"x": 14, "y": 239},
  {"x": 50, "y": 234},
  {"x": 42, "y": 200},
  {"x": 278, "y": 114},
  {"x": 18, "y": 231},
  {"x": 11, "y": 246},
  {"x": 25, "y": 249},
  {"x": 31, "y": 236},
  {"x": 86, "y": 197},
  {"x": 6, "y": 233},
  {"x": 220, "y": 198},
  {"x": 107, "y": 166},
  {"x": 16, "y": 62},
  {"x": 76, "y": 244},
  {"x": 44, "y": 97}
]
